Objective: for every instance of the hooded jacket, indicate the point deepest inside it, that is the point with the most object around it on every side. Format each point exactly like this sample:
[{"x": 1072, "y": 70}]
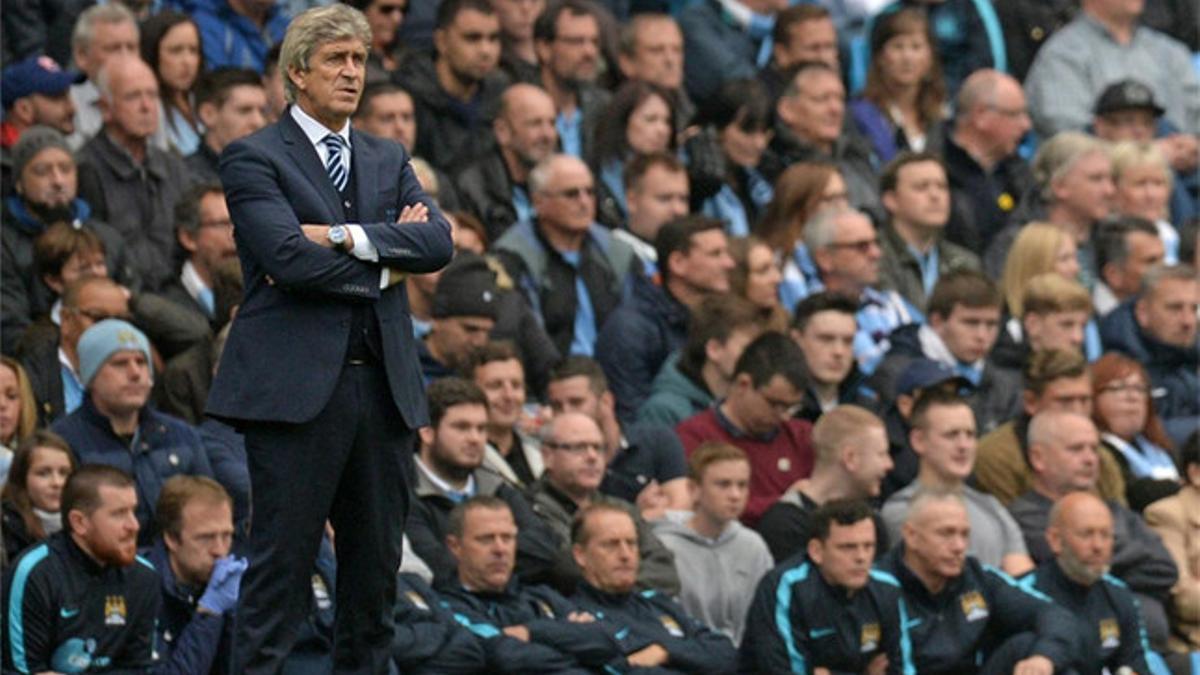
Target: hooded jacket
[{"x": 674, "y": 396}]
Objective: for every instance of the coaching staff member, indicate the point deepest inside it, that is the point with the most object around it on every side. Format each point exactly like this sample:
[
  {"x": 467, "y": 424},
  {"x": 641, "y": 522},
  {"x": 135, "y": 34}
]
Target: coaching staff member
[{"x": 320, "y": 370}]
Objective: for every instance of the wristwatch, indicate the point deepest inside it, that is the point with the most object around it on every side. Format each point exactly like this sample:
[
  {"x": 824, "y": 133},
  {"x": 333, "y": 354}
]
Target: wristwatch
[{"x": 338, "y": 235}]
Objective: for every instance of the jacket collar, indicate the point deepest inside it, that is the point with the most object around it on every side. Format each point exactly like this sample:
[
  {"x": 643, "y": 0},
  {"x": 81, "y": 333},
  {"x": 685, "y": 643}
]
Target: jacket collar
[{"x": 24, "y": 220}]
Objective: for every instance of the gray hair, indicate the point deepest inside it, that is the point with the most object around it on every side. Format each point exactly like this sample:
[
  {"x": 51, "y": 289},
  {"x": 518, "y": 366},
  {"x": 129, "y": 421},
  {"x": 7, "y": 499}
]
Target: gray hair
[
  {"x": 1060, "y": 154},
  {"x": 1160, "y": 273},
  {"x": 113, "y": 12},
  {"x": 540, "y": 175},
  {"x": 979, "y": 89},
  {"x": 928, "y": 494},
  {"x": 1129, "y": 154},
  {"x": 104, "y": 76},
  {"x": 629, "y": 31},
  {"x": 316, "y": 27},
  {"x": 821, "y": 229}
]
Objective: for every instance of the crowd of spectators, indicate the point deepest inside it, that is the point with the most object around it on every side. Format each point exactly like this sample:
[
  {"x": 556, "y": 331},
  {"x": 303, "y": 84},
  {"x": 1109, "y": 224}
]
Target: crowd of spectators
[{"x": 780, "y": 336}]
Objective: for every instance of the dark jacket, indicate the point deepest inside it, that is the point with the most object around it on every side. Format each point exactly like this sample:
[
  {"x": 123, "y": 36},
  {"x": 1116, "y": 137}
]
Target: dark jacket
[
  {"x": 851, "y": 154},
  {"x": 947, "y": 629},
  {"x": 204, "y": 165},
  {"x": 657, "y": 569},
  {"x": 428, "y": 640},
  {"x": 188, "y": 642},
  {"x": 45, "y": 378},
  {"x": 674, "y": 396},
  {"x": 137, "y": 200},
  {"x": 226, "y": 450},
  {"x": 900, "y": 271},
  {"x": 1174, "y": 381},
  {"x": 653, "y": 618},
  {"x": 544, "y": 612},
  {"x": 162, "y": 447},
  {"x": 24, "y": 296},
  {"x": 182, "y": 388},
  {"x": 714, "y": 50},
  {"x": 996, "y": 400},
  {"x": 547, "y": 280},
  {"x": 17, "y": 537},
  {"x": 636, "y": 339},
  {"x": 486, "y": 190},
  {"x": 1027, "y": 24},
  {"x": 798, "y": 622},
  {"x": 982, "y": 201},
  {"x": 453, "y": 133},
  {"x": 43, "y": 27},
  {"x": 647, "y": 453},
  {"x": 786, "y": 529},
  {"x": 852, "y": 390},
  {"x": 1110, "y": 625}
]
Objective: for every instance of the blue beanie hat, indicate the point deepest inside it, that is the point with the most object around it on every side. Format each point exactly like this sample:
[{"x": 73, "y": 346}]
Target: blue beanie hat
[{"x": 104, "y": 339}]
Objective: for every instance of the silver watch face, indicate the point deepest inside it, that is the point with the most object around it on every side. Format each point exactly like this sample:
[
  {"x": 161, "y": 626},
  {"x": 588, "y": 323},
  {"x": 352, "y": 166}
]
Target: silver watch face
[{"x": 337, "y": 235}]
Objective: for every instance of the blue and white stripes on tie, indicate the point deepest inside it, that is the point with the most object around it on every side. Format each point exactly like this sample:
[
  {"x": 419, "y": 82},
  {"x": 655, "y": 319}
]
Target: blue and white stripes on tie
[{"x": 335, "y": 166}]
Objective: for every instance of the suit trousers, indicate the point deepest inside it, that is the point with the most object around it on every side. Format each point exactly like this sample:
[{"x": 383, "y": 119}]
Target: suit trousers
[{"x": 350, "y": 464}]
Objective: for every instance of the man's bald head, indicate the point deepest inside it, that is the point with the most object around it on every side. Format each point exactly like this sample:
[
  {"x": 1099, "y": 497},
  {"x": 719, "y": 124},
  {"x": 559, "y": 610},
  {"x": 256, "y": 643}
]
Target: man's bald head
[
  {"x": 524, "y": 127},
  {"x": 1081, "y": 536},
  {"x": 128, "y": 99},
  {"x": 1063, "y": 452}
]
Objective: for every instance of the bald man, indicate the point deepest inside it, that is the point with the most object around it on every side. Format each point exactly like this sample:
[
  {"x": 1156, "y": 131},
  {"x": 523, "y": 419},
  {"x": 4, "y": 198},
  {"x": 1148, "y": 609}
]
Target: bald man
[
  {"x": 1063, "y": 450},
  {"x": 494, "y": 188},
  {"x": 1081, "y": 536},
  {"x": 129, "y": 183},
  {"x": 959, "y": 608}
]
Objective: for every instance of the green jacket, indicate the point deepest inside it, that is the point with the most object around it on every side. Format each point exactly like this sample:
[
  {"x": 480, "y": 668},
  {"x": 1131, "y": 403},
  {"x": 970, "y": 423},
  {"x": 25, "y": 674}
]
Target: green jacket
[{"x": 900, "y": 271}]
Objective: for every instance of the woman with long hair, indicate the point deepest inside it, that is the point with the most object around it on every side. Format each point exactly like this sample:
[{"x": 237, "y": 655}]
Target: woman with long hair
[
  {"x": 33, "y": 494},
  {"x": 903, "y": 104},
  {"x": 639, "y": 120},
  {"x": 171, "y": 46},
  {"x": 756, "y": 278},
  {"x": 18, "y": 411}
]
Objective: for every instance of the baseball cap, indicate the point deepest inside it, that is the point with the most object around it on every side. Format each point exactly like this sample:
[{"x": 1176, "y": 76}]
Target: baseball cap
[
  {"x": 36, "y": 75},
  {"x": 1127, "y": 95},
  {"x": 923, "y": 373}
]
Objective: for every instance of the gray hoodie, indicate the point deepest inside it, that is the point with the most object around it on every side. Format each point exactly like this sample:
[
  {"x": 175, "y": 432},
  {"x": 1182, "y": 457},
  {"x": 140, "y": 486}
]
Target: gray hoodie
[{"x": 718, "y": 575}]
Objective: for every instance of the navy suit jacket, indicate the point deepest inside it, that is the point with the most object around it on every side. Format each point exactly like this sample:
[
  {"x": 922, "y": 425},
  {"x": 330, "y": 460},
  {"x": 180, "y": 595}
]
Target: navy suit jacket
[{"x": 287, "y": 345}]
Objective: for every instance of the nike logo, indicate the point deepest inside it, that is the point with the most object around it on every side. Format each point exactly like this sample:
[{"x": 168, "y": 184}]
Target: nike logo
[
  {"x": 68, "y": 613},
  {"x": 817, "y": 633}
]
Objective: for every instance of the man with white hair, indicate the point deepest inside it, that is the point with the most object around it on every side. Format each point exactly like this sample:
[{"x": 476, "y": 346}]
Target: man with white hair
[
  {"x": 101, "y": 32},
  {"x": 129, "y": 183}
]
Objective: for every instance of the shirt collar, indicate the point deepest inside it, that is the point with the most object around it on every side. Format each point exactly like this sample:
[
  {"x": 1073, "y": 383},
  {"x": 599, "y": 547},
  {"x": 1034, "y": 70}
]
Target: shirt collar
[
  {"x": 191, "y": 280},
  {"x": 314, "y": 130},
  {"x": 442, "y": 485}
]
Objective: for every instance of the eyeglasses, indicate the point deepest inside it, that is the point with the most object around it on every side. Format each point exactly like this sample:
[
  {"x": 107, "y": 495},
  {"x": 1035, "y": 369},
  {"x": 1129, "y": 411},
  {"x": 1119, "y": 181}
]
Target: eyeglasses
[
  {"x": 574, "y": 192},
  {"x": 1139, "y": 390},
  {"x": 785, "y": 409},
  {"x": 578, "y": 448},
  {"x": 96, "y": 316},
  {"x": 862, "y": 246}
]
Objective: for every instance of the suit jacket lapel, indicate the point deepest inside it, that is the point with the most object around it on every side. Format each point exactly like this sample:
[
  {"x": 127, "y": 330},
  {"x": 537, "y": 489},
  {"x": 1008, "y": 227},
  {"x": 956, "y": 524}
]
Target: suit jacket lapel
[
  {"x": 364, "y": 165},
  {"x": 305, "y": 156}
]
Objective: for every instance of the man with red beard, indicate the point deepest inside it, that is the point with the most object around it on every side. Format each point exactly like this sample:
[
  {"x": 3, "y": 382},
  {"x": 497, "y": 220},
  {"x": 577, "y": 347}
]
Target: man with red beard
[{"x": 82, "y": 599}]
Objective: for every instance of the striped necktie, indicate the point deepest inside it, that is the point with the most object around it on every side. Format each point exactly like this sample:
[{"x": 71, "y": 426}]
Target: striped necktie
[{"x": 334, "y": 166}]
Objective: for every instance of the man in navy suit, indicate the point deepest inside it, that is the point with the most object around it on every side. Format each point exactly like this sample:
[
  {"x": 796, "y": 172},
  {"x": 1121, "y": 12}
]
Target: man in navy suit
[{"x": 320, "y": 370}]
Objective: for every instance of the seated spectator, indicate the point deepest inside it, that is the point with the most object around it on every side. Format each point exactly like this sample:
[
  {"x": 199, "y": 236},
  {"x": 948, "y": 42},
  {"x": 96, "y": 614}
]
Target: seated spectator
[
  {"x": 700, "y": 373},
  {"x": 526, "y": 627},
  {"x": 18, "y": 411},
  {"x": 955, "y": 603},
  {"x": 449, "y": 471},
  {"x": 1125, "y": 249},
  {"x": 903, "y": 104},
  {"x": 916, "y": 195},
  {"x": 464, "y": 312},
  {"x": 964, "y": 320},
  {"x": 573, "y": 447},
  {"x": 851, "y": 459},
  {"x": 824, "y": 327},
  {"x": 1054, "y": 380},
  {"x": 646, "y": 463},
  {"x": 987, "y": 175},
  {"x": 720, "y": 44},
  {"x": 518, "y": 55},
  {"x": 729, "y": 161},
  {"x": 1126, "y": 111},
  {"x": 918, "y": 376},
  {"x": 232, "y": 104},
  {"x": 238, "y": 33},
  {"x": 566, "y": 39},
  {"x": 605, "y": 546},
  {"x": 1080, "y": 535},
  {"x": 758, "y": 415},
  {"x": 1063, "y": 453},
  {"x": 943, "y": 438},
  {"x": 651, "y": 50},
  {"x": 831, "y": 592},
  {"x": 272, "y": 79},
  {"x": 83, "y": 596},
  {"x": 639, "y": 120},
  {"x": 115, "y": 370},
  {"x": 205, "y": 234},
  {"x": 101, "y": 32},
  {"x": 511, "y": 452},
  {"x": 170, "y": 45},
  {"x": 32, "y": 497},
  {"x": 803, "y": 191},
  {"x": 495, "y": 187},
  {"x": 1142, "y": 179},
  {"x": 456, "y": 88},
  {"x": 1175, "y": 520},
  {"x": 1158, "y": 329},
  {"x": 809, "y": 118},
  {"x": 200, "y": 578},
  {"x": 1073, "y": 190},
  {"x": 1104, "y": 44},
  {"x": 845, "y": 254},
  {"x": 651, "y": 322},
  {"x": 1132, "y": 432},
  {"x": 387, "y": 111},
  {"x": 1054, "y": 312},
  {"x": 386, "y": 52},
  {"x": 571, "y": 270},
  {"x": 656, "y": 193},
  {"x": 129, "y": 183},
  {"x": 36, "y": 93},
  {"x": 803, "y": 32},
  {"x": 45, "y": 193},
  {"x": 715, "y": 554},
  {"x": 428, "y": 638},
  {"x": 755, "y": 277}
]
